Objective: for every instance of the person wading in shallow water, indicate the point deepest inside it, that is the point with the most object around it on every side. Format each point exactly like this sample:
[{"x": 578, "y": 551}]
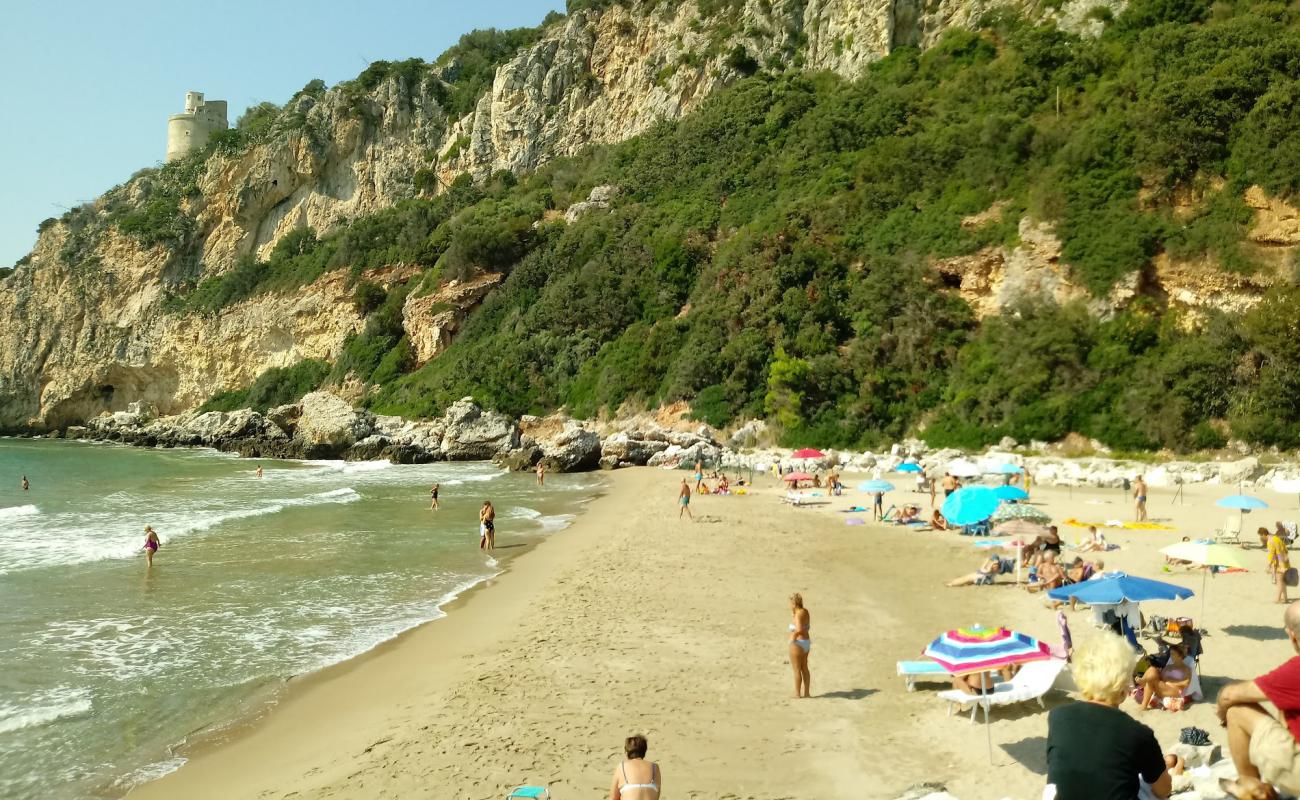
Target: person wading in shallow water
[
  {"x": 26, "y": 485},
  {"x": 433, "y": 497},
  {"x": 151, "y": 544},
  {"x": 487, "y": 517}
]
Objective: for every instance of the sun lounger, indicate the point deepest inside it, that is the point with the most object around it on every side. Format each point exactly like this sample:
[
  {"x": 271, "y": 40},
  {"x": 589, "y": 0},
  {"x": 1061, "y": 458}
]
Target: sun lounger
[
  {"x": 530, "y": 793},
  {"x": 1030, "y": 683},
  {"x": 914, "y": 671},
  {"x": 1230, "y": 533}
]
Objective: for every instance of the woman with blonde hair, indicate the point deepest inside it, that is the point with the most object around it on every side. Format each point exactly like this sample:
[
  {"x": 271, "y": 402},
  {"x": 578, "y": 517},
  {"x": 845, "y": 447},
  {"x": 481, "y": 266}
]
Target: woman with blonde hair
[
  {"x": 800, "y": 646},
  {"x": 1094, "y": 750}
]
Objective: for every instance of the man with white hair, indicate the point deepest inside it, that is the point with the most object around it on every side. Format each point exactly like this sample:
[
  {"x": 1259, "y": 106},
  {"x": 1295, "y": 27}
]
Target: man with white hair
[{"x": 1264, "y": 748}]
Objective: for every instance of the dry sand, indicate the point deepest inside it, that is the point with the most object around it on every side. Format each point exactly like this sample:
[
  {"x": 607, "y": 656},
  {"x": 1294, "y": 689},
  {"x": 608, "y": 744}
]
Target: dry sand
[{"x": 632, "y": 621}]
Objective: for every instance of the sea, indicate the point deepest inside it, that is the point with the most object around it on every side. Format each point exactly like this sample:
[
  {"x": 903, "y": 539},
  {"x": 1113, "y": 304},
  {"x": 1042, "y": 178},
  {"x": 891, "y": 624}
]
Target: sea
[{"x": 107, "y": 669}]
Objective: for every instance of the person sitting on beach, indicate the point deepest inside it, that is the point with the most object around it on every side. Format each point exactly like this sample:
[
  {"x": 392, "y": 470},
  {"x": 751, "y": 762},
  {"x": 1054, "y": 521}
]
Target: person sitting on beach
[
  {"x": 636, "y": 778},
  {"x": 1264, "y": 749},
  {"x": 1178, "y": 562},
  {"x": 1049, "y": 542},
  {"x": 905, "y": 515},
  {"x": 1167, "y": 685},
  {"x": 982, "y": 682},
  {"x": 1049, "y": 576},
  {"x": 1094, "y": 750},
  {"x": 723, "y": 486},
  {"x": 1083, "y": 572},
  {"x": 987, "y": 573},
  {"x": 1096, "y": 542},
  {"x": 938, "y": 522},
  {"x": 817, "y": 480}
]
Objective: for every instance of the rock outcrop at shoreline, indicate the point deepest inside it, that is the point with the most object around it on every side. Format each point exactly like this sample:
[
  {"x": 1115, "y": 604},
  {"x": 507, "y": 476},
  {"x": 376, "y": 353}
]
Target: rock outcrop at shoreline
[{"x": 323, "y": 425}]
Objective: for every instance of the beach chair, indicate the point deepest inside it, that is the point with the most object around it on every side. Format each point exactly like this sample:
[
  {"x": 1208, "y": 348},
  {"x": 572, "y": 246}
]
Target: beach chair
[
  {"x": 1033, "y": 681},
  {"x": 1230, "y": 533},
  {"x": 529, "y": 793},
  {"x": 914, "y": 671}
]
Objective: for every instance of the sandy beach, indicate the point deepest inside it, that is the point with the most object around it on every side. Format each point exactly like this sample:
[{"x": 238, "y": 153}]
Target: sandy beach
[{"x": 632, "y": 621}]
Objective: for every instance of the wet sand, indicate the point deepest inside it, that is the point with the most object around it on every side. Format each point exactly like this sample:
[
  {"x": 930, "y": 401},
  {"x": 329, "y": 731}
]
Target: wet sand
[{"x": 632, "y": 621}]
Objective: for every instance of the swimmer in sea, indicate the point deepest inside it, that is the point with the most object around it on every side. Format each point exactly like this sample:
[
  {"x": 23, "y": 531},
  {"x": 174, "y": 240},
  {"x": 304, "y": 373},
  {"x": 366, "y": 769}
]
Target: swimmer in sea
[
  {"x": 433, "y": 497},
  {"x": 150, "y": 544},
  {"x": 259, "y": 470},
  {"x": 541, "y": 474},
  {"x": 487, "y": 516},
  {"x": 26, "y": 485}
]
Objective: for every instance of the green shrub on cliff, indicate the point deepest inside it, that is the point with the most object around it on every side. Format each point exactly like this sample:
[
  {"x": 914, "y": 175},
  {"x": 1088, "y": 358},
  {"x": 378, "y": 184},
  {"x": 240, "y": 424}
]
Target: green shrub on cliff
[{"x": 276, "y": 386}]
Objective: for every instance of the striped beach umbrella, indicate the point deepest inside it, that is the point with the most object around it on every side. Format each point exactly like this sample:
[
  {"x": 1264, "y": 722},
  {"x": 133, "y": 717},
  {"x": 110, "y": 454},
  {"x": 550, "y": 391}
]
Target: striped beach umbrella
[
  {"x": 1010, "y": 511},
  {"x": 977, "y": 649}
]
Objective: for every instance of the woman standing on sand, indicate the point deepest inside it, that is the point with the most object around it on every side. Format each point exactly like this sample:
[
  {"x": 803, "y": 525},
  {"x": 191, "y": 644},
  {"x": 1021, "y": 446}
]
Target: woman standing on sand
[
  {"x": 636, "y": 778},
  {"x": 151, "y": 544},
  {"x": 1279, "y": 561},
  {"x": 487, "y": 516},
  {"x": 800, "y": 646}
]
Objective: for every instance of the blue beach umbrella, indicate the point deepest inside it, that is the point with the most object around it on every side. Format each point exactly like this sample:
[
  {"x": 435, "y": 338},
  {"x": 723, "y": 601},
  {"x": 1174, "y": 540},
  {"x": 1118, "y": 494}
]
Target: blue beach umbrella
[
  {"x": 1244, "y": 502},
  {"x": 1011, "y": 493},
  {"x": 1116, "y": 587},
  {"x": 970, "y": 505},
  {"x": 875, "y": 486},
  {"x": 1009, "y": 469},
  {"x": 908, "y": 466}
]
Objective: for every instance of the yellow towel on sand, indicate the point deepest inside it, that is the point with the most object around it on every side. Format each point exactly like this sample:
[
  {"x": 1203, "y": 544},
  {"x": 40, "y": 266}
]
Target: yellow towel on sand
[{"x": 1133, "y": 526}]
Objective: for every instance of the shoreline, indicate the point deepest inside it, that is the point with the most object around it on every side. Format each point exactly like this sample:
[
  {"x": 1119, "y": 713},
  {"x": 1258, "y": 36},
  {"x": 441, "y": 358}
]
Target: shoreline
[{"x": 214, "y": 739}]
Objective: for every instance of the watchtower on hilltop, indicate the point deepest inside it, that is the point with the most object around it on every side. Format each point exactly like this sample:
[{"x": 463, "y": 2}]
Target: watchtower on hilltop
[{"x": 189, "y": 131}]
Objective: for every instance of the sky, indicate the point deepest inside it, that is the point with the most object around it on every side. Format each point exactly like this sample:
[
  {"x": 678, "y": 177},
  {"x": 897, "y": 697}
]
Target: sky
[{"x": 86, "y": 86}]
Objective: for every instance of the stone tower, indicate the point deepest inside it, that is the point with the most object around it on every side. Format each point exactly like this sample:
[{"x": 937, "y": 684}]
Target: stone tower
[{"x": 190, "y": 130}]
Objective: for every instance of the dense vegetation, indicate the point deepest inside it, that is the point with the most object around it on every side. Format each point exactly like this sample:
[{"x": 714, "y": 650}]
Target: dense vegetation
[{"x": 772, "y": 254}]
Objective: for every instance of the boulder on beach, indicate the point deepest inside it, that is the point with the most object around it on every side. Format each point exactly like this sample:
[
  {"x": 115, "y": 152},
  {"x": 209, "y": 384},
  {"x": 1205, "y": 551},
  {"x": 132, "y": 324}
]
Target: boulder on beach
[
  {"x": 472, "y": 434},
  {"x": 329, "y": 424}
]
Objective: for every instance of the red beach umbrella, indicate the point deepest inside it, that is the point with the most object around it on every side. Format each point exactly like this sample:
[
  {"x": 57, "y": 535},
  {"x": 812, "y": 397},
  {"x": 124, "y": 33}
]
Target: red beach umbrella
[{"x": 807, "y": 452}]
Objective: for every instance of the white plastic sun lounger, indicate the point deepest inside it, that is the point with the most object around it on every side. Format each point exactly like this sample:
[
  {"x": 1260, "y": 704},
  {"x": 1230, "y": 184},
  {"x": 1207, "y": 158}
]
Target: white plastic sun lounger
[
  {"x": 913, "y": 671},
  {"x": 1030, "y": 683}
]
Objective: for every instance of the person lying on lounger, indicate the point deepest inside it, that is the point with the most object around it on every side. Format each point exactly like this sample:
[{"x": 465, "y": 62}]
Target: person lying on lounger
[{"x": 987, "y": 573}]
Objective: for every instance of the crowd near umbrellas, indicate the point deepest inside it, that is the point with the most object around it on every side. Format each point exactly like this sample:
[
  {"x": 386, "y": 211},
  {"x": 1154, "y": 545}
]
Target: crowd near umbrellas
[
  {"x": 1116, "y": 587},
  {"x": 969, "y": 505},
  {"x": 908, "y": 466},
  {"x": 1010, "y": 511},
  {"x": 808, "y": 452},
  {"x": 875, "y": 486},
  {"x": 1205, "y": 555},
  {"x": 1007, "y": 493},
  {"x": 979, "y": 649}
]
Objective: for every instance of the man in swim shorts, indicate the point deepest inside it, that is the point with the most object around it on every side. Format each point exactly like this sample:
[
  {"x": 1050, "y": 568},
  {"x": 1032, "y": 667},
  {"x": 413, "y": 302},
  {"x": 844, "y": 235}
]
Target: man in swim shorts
[
  {"x": 684, "y": 500},
  {"x": 949, "y": 484},
  {"x": 1140, "y": 498}
]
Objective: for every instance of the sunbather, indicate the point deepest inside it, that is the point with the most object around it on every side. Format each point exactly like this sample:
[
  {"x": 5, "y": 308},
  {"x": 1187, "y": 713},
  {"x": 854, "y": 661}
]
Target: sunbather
[
  {"x": 987, "y": 573},
  {"x": 981, "y": 682},
  {"x": 905, "y": 515},
  {"x": 1049, "y": 576},
  {"x": 1095, "y": 541},
  {"x": 938, "y": 522}
]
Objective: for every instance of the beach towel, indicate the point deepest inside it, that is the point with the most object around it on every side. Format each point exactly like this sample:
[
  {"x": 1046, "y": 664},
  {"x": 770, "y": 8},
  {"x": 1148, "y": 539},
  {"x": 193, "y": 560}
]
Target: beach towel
[{"x": 1115, "y": 523}]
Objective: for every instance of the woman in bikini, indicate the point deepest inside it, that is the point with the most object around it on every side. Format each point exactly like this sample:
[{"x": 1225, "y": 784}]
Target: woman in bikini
[
  {"x": 636, "y": 778},
  {"x": 487, "y": 516},
  {"x": 1169, "y": 682},
  {"x": 150, "y": 544},
  {"x": 800, "y": 646},
  {"x": 433, "y": 497}
]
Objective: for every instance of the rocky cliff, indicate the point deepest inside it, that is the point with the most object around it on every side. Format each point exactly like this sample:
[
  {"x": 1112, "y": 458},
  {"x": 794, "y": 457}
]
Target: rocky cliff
[{"x": 90, "y": 328}]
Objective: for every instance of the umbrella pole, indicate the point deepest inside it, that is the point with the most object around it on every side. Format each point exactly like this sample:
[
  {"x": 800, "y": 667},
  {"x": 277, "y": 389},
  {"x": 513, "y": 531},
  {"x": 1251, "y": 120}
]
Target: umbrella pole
[
  {"x": 1205, "y": 574},
  {"x": 988, "y": 730}
]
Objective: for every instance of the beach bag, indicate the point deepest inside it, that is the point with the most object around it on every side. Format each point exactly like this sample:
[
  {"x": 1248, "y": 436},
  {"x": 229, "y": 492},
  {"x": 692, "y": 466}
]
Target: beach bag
[
  {"x": 1194, "y": 736},
  {"x": 1292, "y": 577}
]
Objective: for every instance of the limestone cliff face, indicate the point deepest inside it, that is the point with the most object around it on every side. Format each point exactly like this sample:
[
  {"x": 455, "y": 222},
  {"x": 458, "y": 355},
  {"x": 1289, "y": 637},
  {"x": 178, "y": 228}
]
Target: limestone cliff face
[{"x": 87, "y": 328}]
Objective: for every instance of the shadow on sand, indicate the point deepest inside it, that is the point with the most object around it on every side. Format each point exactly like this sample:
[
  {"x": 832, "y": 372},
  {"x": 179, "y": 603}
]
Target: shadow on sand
[
  {"x": 851, "y": 694},
  {"x": 1260, "y": 633}
]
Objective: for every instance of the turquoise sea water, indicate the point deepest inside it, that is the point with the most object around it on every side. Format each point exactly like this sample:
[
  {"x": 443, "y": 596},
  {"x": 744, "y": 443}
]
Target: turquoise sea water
[{"x": 106, "y": 666}]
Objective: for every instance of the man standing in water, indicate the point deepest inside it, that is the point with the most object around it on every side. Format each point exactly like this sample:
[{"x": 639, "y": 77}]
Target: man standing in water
[
  {"x": 1140, "y": 499},
  {"x": 433, "y": 497},
  {"x": 26, "y": 485},
  {"x": 684, "y": 500},
  {"x": 487, "y": 516}
]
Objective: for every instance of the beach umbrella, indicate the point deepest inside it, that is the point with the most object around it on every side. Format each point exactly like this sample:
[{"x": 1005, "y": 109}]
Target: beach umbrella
[
  {"x": 962, "y": 468},
  {"x": 1010, "y": 511},
  {"x": 1116, "y": 587},
  {"x": 1243, "y": 502},
  {"x": 1011, "y": 493},
  {"x": 969, "y": 505},
  {"x": 978, "y": 649},
  {"x": 1009, "y": 469},
  {"x": 875, "y": 486},
  {"x": 798, "y": 476},
  {"x": 1205, "y": 555},
  {"x": 808, "y": 452},
  {"x": 907, "y": 466}
]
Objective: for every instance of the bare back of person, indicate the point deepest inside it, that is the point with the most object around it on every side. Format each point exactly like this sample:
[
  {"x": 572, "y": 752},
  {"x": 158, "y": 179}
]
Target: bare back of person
[{"x": 638, "y": 779}]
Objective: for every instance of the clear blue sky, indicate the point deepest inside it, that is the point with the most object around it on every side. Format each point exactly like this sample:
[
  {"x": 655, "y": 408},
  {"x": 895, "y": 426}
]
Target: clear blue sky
[{"x": 86, "y": 85}]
